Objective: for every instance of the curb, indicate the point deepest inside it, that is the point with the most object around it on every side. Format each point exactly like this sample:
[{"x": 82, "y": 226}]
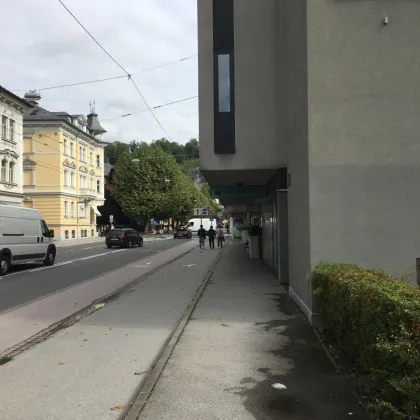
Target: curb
[
  {"x": 337, "y": 368},
  {"x": 81, "y": 313},
  {"x": 151, "y": 381}
]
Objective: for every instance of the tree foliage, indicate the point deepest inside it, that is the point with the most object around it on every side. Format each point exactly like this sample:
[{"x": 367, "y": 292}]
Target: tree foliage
[
  {"x": 153, "y": 185},
  {"x": 140, "y": 187}
]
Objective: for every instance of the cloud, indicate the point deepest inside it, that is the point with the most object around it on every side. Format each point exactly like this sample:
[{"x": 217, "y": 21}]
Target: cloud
[{"x": 49, "y": 48}]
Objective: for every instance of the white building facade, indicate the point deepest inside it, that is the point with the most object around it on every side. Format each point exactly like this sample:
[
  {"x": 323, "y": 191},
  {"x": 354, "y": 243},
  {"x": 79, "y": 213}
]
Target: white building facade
[{"x": 12, "y": 108}]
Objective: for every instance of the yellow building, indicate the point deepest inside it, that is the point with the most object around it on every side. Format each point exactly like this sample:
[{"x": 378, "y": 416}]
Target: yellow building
[{"x": 63, "y": 169}]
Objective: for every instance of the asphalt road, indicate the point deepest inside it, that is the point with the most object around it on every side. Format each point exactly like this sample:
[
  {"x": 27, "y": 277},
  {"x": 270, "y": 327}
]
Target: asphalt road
[
  {"x": 86, "y": 370},
  {"x": 74, "y": 264}
]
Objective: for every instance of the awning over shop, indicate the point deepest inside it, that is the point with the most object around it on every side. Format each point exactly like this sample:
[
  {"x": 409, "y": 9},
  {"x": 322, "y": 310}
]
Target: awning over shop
[{"x": 95, "y": 209}]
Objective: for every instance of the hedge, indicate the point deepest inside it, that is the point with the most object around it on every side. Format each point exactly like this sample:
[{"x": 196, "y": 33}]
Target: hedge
[{"x": 374, "y": 318}]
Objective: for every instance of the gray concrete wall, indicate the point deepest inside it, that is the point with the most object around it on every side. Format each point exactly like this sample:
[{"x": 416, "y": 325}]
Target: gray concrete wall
[
  {"x": 364, "y": 148},
  {"x": 294, "y": 93},
  {"x": 258, "y": 126}
]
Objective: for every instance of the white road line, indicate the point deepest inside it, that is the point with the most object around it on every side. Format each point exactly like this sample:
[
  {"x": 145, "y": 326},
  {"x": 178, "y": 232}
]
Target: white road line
[
  {"x": 93, "y": 256},
  {"x": 62, "y": 263},
  {"x": 51, "y": 266},
  {"x": 93, "y": 247}
]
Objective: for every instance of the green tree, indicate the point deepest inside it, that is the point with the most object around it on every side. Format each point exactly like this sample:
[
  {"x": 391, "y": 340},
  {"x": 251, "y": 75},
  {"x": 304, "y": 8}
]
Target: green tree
[
  {"x": 114, "y": 151},
  {"x": 211, "y": 204},
  {"x": 192, "y": 149},
  {"x": 153, "y": 185}
]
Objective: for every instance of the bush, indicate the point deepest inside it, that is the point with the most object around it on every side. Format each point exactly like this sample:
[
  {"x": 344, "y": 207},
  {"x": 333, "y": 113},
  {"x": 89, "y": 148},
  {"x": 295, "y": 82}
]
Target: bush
[{"x": 375, "y": 319}]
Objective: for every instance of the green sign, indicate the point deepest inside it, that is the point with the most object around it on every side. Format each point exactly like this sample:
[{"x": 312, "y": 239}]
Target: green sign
[{"x": 245, "y": 191}]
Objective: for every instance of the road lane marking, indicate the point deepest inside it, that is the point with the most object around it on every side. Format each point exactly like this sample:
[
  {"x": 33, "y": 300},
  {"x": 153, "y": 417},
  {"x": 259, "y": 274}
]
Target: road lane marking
[
  {"x": 63, "y": 263},
  {"x": 75, "y": 260},
  {"x": 50, "y": 266},
  {"x": 93, "y": 256}
]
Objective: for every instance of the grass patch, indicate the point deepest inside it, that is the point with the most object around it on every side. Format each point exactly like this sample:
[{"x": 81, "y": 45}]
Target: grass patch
[{"x": 4, "y": 360}]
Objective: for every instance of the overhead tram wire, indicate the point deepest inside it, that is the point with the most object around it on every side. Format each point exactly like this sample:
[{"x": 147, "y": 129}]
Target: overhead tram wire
[
  {"x": 155, "y": 107},
  {"x": 109, "y": 119},
  {"x": 119, "y": 65},
  {"x": 109, "y": 78}
]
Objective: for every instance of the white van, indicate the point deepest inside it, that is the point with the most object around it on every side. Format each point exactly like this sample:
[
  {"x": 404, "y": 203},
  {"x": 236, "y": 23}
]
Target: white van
[
  {"x": 24, "y": 237},
  {"x": 194, "y": 224}
]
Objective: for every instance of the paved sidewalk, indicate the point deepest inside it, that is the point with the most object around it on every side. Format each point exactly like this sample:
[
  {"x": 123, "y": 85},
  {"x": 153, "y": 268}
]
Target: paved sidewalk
[
  {"x": 245, "y": 335},
  {"x": 85, "y": 371}
]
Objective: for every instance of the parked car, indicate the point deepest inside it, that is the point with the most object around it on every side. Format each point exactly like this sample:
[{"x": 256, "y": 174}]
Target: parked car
[
  {"x": 123, "y": 238},
  {"x": 24, "y": 237},
  {"x": 182, "y": 232}
]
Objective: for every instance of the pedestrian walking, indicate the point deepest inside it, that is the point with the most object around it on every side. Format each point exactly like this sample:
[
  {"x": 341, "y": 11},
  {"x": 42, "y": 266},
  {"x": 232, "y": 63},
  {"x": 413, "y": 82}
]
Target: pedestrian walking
[
  {"x": 211, "y": 234},
  {"x": 220, "y": 236},
  {"x": 202, "y": 236}
]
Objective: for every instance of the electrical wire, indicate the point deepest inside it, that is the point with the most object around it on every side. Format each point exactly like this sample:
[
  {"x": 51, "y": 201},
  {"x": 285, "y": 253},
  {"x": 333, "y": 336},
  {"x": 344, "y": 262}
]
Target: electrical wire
[
  {"x": 119, "y": 65},
  {"x": 146, "y": 109},
  {"x": 109, "y": 78},
  {"x": 94, "y": 40},
  {"x": 150, "y": 109}
]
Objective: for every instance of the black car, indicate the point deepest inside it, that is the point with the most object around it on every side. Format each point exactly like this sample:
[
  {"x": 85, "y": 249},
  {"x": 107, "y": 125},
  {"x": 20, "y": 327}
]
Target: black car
[
  {"x": 126, "y": 238},
  {"x": 182, "y": 232}
]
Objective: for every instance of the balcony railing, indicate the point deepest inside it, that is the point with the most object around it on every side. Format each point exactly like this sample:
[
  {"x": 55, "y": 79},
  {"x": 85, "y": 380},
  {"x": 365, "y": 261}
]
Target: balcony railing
[{"x": 88, "y": 193}]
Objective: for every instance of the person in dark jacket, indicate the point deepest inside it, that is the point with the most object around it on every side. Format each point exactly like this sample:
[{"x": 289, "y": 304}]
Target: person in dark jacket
[
  {"x": 211, "y": 234},
  {"x": 202, "y": 236}
]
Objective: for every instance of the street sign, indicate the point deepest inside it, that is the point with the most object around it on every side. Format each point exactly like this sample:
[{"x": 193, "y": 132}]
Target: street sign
[
  {"x": 211, "y": 218},
  {"x": 201, "y": 212},
  {"x": 246, "y": 191}
]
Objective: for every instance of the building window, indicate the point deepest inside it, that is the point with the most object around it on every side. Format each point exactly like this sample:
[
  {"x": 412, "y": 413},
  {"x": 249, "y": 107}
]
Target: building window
[
  {"x": 11, "y": 130},
  {"x": 98, "y": 161},
  {"x": 72, "y": 179},
  {"x": 3, "y": 170},
  {"x": 66, "y": 234},
  {"x": 91, "y": 183},
  {"x": 66, "y": 209},
  {"x": 81, "y": 153},
  {"x": 91, "y": 158},
  {"x": 98, "y": 185},
  {"x": 85, "y": 233},
  {"x": 92, "y": 233},
  {"x": 12, "y": 172},
  {"x": 223, "y": 75},
  {"x": 72, "y": 149},
  {"x": 66, "y": 178},
  {"x": 65, "y": 146},
  {"x": 72, "y": 209},
  {"x": 3, "y": 127},
  {"x": 73, "y": 234}
]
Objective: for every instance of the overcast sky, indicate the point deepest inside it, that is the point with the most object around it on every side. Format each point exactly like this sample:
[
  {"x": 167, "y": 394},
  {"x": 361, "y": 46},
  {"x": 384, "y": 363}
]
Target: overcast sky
[{"x": 42, "y": 46}]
